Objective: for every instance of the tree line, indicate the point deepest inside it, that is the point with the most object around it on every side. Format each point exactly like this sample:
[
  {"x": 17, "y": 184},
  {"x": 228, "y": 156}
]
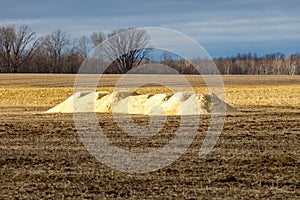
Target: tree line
[
  {"x": 250, "y": 63},
  {"x": 276, "y": 64},
  {"x": 22, "y": 51}
]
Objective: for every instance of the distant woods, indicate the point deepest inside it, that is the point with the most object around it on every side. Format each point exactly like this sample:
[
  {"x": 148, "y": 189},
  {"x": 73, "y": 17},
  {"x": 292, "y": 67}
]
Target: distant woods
[
  {"x": 276, "y": 64},
  {"x": 22, "y": 51}
]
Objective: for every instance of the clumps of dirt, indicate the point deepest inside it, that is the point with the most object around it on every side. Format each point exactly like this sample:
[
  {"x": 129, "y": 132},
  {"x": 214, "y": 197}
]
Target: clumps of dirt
[{"x": 126, "y": 102}]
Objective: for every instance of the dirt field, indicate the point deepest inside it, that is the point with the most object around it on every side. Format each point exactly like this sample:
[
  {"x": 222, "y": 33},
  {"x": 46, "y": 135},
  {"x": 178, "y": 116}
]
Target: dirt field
[{"x": 257, "y": 155}]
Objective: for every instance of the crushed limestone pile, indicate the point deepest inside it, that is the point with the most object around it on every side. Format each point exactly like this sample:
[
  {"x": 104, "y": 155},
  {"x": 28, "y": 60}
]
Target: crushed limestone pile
[{"x": 180, "y": 103}]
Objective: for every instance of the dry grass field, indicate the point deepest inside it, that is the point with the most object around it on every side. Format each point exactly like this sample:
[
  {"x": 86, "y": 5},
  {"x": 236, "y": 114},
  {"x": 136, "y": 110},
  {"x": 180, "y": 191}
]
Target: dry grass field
[{"x": 256, "y": 157}]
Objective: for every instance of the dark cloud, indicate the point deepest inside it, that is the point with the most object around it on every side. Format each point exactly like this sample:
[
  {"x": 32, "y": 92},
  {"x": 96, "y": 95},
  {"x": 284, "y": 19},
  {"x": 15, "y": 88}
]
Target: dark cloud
[{"x": 231, "y": 25}]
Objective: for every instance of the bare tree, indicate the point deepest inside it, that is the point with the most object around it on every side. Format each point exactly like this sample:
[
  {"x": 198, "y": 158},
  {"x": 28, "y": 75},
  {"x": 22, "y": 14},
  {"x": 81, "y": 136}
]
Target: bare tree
[
  {"x": 127, "y": 47},
  {"x": 56, "y": 43},
  {"x": 83, "y": 45},
  {"x": 6, "y": 43},
  {"x": 228, "y": 65},
  {"x": 290, "y": 64},
  {"x": 97, "y": 38},
  {"x": 17, "y": 46},
  {"x": 75, "y": 55},
  {"x": 277, "y": 65},
  {"x": 166, "y": 57}
]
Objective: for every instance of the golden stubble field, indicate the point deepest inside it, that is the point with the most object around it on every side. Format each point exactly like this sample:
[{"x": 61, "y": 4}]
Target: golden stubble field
[
  {"x": 257, "y": 155},
  {"x": 46, "y": 91}
]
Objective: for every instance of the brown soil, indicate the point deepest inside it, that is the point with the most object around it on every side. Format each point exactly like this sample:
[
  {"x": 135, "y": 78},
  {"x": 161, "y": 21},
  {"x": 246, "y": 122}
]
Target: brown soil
[{"x": 257, "y": 155}]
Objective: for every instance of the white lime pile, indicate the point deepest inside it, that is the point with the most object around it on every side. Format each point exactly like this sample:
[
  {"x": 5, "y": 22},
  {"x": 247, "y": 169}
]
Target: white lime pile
[{"x": 180, "y": 103}]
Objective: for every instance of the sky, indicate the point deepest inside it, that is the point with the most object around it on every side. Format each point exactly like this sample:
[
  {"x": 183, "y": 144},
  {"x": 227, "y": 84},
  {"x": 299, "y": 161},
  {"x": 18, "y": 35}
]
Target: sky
[{"x": 222, "y": 27}]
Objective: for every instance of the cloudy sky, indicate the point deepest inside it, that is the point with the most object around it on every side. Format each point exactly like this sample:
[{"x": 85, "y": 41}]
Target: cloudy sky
[{"x": 222, "y": 27}]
